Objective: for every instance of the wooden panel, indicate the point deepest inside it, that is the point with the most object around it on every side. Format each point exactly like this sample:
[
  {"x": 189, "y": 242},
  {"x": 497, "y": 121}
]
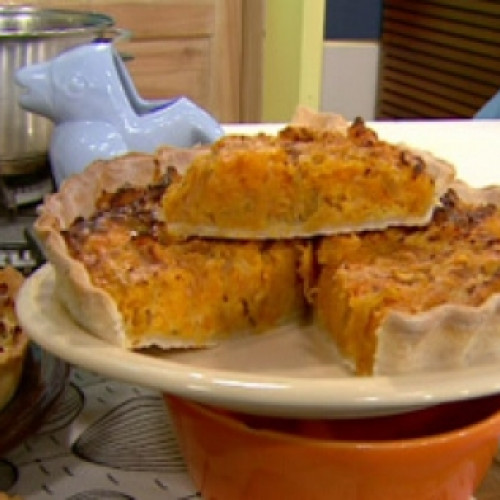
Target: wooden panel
[
  {"x": 225, "y": 60},
  {"x": 251, "y": 59},
  {"x": 169, "y": 68},
  {"x": 168, "y": 20},
  {"x": 440, "y": 58},
  {"x": 172, "y": 48}
]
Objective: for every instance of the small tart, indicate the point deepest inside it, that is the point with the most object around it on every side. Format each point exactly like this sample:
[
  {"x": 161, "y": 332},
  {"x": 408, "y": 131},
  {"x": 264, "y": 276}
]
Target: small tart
[
  {"x": 306, "y": 181},
  {"x": 122, "y": 276},
  {"x": 411, "y": 299},
  {"x": 13, "y": 341}
]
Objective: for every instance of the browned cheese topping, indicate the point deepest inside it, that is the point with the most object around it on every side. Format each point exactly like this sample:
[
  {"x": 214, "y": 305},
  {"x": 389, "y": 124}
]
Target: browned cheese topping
[{"x": 455, "y": 259}]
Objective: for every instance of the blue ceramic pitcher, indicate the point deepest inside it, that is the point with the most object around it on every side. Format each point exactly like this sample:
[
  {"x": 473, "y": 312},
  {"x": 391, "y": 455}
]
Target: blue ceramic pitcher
[{"x": 97, "y": 112}]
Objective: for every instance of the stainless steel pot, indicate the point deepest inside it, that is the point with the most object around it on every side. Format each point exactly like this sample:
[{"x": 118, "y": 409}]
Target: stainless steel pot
[{"x": 29, "y": 35}]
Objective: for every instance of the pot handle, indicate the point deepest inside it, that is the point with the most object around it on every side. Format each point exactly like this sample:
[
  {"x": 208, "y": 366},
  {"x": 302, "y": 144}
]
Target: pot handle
[{"x": 112, "y": 35}]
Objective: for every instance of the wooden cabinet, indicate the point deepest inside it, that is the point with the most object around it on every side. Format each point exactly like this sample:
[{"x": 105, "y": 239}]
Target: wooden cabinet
[
  {"x": 181, "y": 47},
  {"x": 208, "y": 50}
]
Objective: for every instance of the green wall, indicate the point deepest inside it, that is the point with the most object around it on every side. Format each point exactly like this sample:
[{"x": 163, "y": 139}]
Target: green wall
[{"x": 293, "y": 57}]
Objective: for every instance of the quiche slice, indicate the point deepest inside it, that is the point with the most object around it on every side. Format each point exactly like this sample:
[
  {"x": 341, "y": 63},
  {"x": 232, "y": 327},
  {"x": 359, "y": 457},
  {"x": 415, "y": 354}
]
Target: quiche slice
[
  {"x": 411, "y": 299},
  {"x": 13, "y": 341},
  {"x": 317, "y": 176},
  {"x": 126, "y": 279}
]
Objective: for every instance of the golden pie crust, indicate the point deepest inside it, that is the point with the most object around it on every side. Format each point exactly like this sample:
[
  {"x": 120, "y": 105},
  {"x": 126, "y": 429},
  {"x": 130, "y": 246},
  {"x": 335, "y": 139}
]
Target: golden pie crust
[
  {"x": 315, "y": 177},
  {"x": 13, "y": 341}
]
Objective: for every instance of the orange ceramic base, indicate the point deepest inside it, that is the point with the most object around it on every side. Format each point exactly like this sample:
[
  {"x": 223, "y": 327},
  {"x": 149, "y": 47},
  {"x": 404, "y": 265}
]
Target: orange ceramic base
[{"x": 237, "y": 457}]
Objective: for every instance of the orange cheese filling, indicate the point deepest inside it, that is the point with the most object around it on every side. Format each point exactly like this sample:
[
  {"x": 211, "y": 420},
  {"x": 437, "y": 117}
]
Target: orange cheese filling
[
  {"x": 298, "y": 183},
  {"x": 192, "y": 290}
]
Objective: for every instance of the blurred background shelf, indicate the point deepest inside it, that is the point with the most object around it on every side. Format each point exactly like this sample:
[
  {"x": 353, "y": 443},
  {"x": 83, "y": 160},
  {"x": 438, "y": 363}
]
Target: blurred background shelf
[
  {"x": 242, "y": 60},
  {"x": 255, "y": 60}
]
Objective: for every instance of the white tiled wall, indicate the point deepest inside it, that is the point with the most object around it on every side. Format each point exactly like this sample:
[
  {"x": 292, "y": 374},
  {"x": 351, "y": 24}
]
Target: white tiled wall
[{"x": 350, "y": 78}]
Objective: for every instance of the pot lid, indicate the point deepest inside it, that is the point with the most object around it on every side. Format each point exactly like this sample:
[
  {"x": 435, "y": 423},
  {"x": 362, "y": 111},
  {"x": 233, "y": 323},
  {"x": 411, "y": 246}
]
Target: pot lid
[{"x": 30, "y": 22}]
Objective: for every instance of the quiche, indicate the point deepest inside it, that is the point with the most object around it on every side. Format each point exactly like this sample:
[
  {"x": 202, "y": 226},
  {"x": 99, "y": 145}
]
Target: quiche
[
  {"x": 124, "y": 277},
  {"x": 316, "y": 176},
  {"x": 407, "y": 294},
  {"x": 13, "y": 341},
  {"x": 411, "y": 299}
]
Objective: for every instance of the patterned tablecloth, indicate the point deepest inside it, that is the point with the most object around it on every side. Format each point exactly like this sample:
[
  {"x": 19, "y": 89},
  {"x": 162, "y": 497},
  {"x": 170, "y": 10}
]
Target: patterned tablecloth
[
  {"x": 109, "y": 440},
  {"x": 103, "y": 440}
]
